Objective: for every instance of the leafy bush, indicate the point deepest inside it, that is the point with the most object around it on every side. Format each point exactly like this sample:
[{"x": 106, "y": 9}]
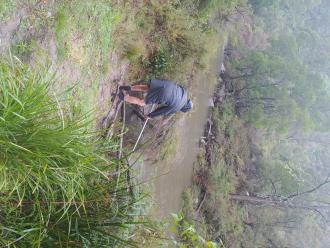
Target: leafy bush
[
  {"x": 189, "y": 236},
  {"x": 159, "y": 63}
]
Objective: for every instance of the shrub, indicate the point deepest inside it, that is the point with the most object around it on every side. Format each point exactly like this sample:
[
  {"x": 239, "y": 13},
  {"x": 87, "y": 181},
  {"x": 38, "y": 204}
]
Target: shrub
[{"x": 189, "y": 236}]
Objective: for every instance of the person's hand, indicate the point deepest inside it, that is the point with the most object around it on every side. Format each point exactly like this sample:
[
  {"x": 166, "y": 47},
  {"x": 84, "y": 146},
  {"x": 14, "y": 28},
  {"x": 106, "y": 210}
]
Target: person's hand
[
  {"x": 125, "y": 88},
  {"x": 121, "y": 95}
]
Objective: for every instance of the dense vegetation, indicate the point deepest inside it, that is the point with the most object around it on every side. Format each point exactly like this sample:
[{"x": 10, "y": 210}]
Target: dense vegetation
[{"x": 263, "y": 176}]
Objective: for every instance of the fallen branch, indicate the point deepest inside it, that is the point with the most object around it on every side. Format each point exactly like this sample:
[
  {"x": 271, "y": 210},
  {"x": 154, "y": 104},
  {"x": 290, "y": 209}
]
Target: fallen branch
[
  {"x": 201, "y": 203},
  {"x": 110, "y": 129}
]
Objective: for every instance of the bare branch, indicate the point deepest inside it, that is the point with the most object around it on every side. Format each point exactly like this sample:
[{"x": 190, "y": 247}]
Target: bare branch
[{"x": 326, "y": 181}]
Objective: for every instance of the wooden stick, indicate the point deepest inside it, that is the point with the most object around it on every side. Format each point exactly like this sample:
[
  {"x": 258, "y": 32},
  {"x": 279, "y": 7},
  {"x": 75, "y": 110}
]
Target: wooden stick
[
  {"x": 144, "y": 126},
  {"x": 110, "y": 130}
]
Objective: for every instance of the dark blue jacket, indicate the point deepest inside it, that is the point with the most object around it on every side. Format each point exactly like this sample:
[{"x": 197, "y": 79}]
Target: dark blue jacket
[{"x": 171, "y": 95}]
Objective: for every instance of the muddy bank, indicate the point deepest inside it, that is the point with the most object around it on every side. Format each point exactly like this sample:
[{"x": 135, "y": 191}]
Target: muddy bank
[{"x": 168, "y": 179}]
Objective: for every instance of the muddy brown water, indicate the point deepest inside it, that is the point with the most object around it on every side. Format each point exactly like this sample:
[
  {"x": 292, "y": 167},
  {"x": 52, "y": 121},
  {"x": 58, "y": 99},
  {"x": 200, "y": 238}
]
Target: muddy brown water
[{"x": 168, "y": 179}]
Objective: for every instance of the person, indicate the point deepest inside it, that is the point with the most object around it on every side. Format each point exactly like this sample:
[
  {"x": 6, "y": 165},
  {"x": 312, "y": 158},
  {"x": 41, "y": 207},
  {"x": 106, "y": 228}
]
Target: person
[{"x": 171, "y": 96}]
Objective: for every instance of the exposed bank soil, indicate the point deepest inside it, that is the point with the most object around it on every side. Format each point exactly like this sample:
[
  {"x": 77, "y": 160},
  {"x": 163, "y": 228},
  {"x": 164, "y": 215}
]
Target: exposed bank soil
[
  {"x": 8, "y": 29},
  {"x": 69, "y": 73}
]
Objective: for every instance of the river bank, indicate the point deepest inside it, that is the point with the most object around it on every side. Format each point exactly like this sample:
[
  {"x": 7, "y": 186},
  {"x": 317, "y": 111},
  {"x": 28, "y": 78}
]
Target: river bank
[{"x": 174, "y": 175}]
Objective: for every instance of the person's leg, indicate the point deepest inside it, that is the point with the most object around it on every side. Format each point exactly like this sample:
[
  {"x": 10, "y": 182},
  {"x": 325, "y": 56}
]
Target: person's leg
[
  {"x": 140, "y": 87},
  {"x": 134, "y": 100}
]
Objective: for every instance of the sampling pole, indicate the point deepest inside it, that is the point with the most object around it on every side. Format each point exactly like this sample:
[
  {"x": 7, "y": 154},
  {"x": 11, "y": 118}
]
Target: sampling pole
[{"x": 144, "y": 126}]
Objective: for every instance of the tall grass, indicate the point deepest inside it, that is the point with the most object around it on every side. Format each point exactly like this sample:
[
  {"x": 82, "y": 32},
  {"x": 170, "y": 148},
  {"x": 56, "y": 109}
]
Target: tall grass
[{"x": 53, "y": 187}]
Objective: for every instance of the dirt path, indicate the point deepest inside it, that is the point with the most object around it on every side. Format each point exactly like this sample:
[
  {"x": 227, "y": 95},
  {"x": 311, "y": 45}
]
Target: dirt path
[{"x": 175, "y": 175}]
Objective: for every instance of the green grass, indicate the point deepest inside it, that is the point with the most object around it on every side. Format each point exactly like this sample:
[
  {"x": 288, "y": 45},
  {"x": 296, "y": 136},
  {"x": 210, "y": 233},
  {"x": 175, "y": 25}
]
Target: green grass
[
  {"x": 220, "y": 172},
  {"x": 7, "y": 8},
  {"x": 189, "y": 235},
  {"x": 54, "y": 191},
  {"x": 84, "y": 32}
]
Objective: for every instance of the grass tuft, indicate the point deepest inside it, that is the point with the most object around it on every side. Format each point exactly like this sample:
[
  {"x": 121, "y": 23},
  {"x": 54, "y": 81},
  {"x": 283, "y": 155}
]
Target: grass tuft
[{"x": 54, "y": 191}]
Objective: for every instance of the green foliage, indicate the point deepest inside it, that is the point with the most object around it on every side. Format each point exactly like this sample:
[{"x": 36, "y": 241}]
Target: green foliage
[
  {"x": 225, "y": 7},
  {"x": 62, "y": 34},
  {"x": 223, "y": 218},
  {"x": 221, "y": 174},
  {"x": 7, "y": 7},
  {"x": 281, "y": 89},
  {"x": 163, "y": 39},
  {"x": 54, "y": 187},
  {"x": 188, "y": 205},
  {"x": 271, "y": 86},
  {"x": 136, "y": 51},
  {"x": 284, "y": 79},
  {"x": 23, "y": 49},
  {"x": 189, "y": 236},
  {"x": 159, "y": 63}
]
